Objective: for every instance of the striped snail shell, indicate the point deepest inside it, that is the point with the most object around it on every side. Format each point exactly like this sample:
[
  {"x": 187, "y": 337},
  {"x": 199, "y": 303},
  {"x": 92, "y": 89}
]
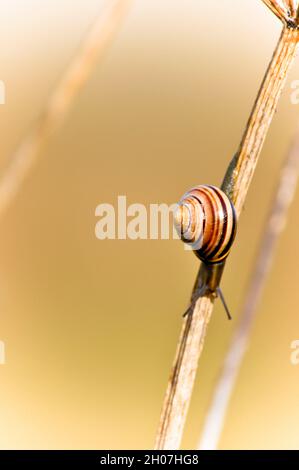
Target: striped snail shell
[{"x": 206, "y": 220}]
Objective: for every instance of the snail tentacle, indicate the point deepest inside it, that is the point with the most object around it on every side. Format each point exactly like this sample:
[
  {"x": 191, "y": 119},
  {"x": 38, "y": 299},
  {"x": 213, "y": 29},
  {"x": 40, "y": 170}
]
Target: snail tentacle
[
  {"x": 203, "y": 291},
  {"x": 222, "y": 298}
]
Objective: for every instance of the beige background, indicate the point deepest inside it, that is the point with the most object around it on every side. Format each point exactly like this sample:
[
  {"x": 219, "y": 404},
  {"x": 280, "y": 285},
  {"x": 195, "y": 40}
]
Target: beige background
[{"x": 90, "y": 326}]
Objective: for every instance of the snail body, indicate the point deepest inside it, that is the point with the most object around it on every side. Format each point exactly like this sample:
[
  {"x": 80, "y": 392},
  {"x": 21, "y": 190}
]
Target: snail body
[{"x": 206, "y": 221}]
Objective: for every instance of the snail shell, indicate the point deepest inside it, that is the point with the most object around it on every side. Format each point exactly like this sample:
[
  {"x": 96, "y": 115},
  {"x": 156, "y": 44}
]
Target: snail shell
[{"x": 206, "y": 220}]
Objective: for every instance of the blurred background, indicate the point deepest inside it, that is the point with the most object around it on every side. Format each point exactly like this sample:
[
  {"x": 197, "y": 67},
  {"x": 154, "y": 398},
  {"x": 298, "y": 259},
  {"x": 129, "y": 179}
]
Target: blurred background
[{"x": 90, "y": 327}]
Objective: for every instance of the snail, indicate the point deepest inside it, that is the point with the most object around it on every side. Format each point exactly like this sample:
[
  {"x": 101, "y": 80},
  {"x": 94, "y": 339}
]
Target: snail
[{"x": 206, "y": 220}]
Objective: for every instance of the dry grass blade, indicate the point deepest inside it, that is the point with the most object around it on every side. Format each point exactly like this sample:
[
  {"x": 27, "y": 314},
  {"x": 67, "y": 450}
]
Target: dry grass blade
[
  {"x": 236, "y": 184},
  {"x": 279, "y": 8},
  {"x": 178, "y": 391},
  {"x": 93, "y": 46},
  {"x": 261, "y": 117},
  {"x": 286, "y": 10},
  {"x": 274, "y": 226}
]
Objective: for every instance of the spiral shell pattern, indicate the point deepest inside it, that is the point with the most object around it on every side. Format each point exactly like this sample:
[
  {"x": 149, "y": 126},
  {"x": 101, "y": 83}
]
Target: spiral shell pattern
[{"x": 206, "y": 220}]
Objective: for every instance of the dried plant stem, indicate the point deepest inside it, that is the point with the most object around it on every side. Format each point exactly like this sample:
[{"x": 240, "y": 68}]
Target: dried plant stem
[
  {"x": 94, "y": 45},
  {"x": 279, "y": 8},
  {"x": 236, "y": 184},
  {"x": 261, "y": 117},
  {"x": 274, "y": 227}
]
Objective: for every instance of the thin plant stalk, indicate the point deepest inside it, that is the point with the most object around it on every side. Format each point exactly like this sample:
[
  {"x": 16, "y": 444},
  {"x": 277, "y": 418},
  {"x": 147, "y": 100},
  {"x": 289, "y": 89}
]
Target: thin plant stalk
[
  {"x": 275, "y": 225},
  {"x": 93, "y": 47},
  {"x": 236, "y": 184}
]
